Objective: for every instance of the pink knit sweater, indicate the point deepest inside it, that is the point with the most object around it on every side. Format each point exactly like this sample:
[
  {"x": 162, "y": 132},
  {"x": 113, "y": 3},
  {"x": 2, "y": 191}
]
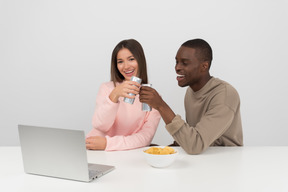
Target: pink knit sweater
[{"x": 125, "y": 126}]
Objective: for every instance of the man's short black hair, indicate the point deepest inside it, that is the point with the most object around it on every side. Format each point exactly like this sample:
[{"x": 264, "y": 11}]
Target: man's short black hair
[{"x": 203, "y": 49}]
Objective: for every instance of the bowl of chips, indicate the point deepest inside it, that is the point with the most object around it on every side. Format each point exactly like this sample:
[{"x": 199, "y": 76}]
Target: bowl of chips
[{"x": 160, "y": 156}]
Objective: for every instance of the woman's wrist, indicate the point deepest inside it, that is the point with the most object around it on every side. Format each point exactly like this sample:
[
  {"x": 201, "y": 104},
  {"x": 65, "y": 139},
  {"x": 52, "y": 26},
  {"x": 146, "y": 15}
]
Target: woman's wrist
[{"x": 113, "y": 97}]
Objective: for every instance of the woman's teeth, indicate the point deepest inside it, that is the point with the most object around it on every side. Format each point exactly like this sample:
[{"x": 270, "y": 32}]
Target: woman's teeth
[{"x": 127, "y": 72}]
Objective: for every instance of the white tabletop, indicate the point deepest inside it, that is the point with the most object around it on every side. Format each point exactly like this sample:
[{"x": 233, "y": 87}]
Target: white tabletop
[{"x": 218, "y": 169}]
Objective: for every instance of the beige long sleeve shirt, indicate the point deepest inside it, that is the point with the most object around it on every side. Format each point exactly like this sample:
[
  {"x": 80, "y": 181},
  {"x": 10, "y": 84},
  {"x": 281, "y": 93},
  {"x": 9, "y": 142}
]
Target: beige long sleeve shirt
[{"x": 212, "y": 118}]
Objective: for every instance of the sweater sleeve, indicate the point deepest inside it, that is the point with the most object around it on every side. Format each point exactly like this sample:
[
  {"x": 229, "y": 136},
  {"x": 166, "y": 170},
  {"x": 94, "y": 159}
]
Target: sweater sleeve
[
  {"x": 195, "y": 140},
  {"x": 141, "y": 138},
  {"x": 105, "y": 111}
]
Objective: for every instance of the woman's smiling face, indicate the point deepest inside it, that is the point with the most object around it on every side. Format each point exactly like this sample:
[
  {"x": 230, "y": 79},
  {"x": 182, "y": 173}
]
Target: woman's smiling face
[{"x": 127, "y": 64}]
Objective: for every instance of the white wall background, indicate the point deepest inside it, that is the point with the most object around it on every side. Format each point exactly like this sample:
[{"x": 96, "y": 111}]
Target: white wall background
[{"x": 54, "y": 54}]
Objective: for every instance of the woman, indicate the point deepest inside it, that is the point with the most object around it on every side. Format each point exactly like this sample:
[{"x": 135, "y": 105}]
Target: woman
[{"x": 118, "y": 125}]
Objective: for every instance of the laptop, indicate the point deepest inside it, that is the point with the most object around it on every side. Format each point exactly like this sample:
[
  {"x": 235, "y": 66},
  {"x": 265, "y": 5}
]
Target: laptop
[{"x": 59, "y": 153}]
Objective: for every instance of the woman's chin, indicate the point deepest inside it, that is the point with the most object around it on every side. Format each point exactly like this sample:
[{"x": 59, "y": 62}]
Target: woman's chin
[{"x": 128, "y": 76}]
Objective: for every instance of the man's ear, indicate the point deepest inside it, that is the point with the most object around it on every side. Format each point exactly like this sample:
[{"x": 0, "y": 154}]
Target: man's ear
[{"x": 205, "y": 66}]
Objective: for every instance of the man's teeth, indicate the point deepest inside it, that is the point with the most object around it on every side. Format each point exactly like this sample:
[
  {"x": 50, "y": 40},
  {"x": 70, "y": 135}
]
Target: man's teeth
[{"x": 180, "y": 75}]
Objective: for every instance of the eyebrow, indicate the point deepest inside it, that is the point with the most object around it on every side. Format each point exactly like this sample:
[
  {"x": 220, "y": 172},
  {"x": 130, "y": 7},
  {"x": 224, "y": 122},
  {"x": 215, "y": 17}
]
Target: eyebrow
[
  {"x": 183, "y": 59},
  {"x": 127, "y": 57}
]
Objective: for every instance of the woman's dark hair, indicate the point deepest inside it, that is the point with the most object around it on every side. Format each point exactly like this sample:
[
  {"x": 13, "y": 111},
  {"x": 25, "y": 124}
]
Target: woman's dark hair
[{"x": 137, "y": 51}]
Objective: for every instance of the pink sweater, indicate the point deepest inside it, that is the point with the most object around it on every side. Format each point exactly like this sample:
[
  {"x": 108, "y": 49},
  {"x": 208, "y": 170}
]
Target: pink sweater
[{"x": 125, "y": 126}]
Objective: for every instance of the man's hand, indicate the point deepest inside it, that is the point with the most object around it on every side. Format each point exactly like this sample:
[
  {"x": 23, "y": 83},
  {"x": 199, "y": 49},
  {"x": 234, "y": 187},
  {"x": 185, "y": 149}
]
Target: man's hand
[
  {"x": 96, "y": 143},
  {"x": 151, "y": 97}
]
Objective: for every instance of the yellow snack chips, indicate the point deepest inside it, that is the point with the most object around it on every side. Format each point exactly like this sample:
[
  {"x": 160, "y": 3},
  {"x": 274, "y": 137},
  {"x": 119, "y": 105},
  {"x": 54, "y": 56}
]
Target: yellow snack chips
[{"x": 160, "y": 151}]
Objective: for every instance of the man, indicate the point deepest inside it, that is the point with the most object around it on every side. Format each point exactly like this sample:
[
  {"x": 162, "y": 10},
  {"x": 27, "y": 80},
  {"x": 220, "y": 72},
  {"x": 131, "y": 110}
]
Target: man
[{"x": 212, "y": 106}]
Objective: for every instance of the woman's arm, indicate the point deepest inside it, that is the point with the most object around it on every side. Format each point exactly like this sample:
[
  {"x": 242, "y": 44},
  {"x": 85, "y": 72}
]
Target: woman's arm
[
  {"x": 142, "y": 137},
  {"x": 105, "y": 110}
]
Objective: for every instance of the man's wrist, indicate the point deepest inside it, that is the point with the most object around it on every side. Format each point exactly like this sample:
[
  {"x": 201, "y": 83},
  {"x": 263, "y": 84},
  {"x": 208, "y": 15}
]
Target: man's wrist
[{"x": 166, "y": 113}]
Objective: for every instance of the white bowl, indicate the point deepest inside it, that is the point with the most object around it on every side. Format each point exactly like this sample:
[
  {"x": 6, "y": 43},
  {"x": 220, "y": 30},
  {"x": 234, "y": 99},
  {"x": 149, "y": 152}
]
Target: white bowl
[{"x": 160, "y": 161}]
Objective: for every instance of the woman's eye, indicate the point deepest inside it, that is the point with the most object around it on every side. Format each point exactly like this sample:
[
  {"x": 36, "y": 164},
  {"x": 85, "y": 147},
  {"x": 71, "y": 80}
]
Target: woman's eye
[{"x": 131, "y": 59}]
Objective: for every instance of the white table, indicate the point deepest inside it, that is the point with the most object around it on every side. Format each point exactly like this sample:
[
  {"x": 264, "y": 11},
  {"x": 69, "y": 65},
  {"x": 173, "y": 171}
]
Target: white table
[{"x": 218, "y": 169}]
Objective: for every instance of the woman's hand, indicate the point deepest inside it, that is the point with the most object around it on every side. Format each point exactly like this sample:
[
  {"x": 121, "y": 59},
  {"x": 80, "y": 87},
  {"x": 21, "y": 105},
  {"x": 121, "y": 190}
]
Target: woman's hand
[
  {"x": 96, "y": 143},
  {"x": 123, "y": 90}
]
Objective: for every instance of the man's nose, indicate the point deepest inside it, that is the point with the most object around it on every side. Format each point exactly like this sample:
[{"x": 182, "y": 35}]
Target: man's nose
[{"x": 177, "y": 67}]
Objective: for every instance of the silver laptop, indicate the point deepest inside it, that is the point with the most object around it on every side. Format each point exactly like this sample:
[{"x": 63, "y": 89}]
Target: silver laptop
[{"x": 57, "y": 153}]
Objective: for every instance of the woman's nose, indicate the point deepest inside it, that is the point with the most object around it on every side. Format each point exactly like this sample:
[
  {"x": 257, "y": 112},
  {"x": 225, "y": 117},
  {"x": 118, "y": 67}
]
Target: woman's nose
[{"x": 126, "y": 64}]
